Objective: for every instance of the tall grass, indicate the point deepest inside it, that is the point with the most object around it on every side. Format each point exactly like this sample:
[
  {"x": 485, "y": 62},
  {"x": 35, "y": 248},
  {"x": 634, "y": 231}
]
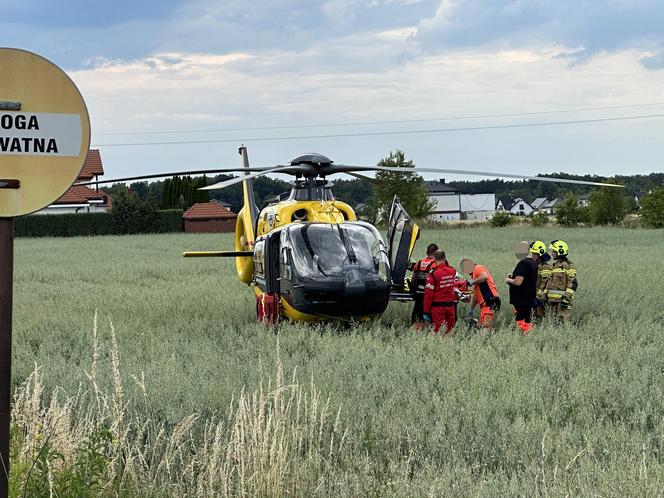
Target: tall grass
[
  {"x": 280, "y": 438},
  {"x": 572, "y": 410}
]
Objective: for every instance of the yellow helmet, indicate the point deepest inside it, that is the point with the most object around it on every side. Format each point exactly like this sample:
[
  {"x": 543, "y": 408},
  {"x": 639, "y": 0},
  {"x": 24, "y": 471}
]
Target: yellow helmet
[
  {"x": 538, "y": 247},
  {"x": 559, "y": 247}
]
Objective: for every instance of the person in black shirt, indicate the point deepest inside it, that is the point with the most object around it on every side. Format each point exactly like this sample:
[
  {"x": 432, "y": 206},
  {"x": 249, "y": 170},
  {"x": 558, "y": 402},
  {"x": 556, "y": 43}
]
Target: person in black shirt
[{"x": 523, "y": 286}]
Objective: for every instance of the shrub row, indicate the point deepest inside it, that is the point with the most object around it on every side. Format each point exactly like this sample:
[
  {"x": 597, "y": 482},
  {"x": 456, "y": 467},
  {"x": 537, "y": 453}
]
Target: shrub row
[{"x": 112, "y": 223}]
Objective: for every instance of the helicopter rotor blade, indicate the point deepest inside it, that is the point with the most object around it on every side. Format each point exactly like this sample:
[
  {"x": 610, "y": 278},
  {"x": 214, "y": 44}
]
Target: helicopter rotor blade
[
  {"x": 177, "y": 173},
  {"x": 240, "y": 179},
  {"x": 346, "y": 169},
  {"x": 362, "y": 177}
]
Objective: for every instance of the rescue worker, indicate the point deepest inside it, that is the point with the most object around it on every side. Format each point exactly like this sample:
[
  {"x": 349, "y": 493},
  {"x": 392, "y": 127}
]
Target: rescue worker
[
  {"x": 543, "y": 274},
  {"x": 523, "y": 286},
  {"x": 440, "y": 296},
  {"x": 421, "y": 271},
  {"x": 485, "y": 294},
  {"x": 562, "y": 284}
]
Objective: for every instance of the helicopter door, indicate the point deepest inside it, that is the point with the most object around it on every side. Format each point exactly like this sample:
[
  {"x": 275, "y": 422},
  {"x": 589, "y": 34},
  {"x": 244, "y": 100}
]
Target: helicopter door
[{"x": 402, "y": 233}]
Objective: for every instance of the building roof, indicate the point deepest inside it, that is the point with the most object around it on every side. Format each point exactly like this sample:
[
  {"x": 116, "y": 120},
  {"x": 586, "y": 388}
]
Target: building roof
[
  {"x": 79, "y": 194},
  {"x": 207, "y": 211},
  {"x": 550, "y": 203},
  {"x": 507, "y": 203},
  {"x": 440, "y": 187},
  {"x": 92, "y": 166},
  {"x": 537, "y": 203}
]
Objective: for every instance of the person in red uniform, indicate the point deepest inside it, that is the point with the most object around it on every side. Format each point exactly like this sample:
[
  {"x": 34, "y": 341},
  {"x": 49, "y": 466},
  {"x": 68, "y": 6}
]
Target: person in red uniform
[
  {"x": 440, "y": 298},
  {"x": 421, "y": 271},
  {"x": 485, "y": 293}
]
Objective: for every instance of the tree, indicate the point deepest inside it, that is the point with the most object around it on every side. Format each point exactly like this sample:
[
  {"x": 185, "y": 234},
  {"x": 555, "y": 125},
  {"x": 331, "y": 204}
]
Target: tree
[
  {"x": 569, "y": 213},
  {"x": 607, "y": 206},
  {"x": 652, "y": 209},
  {"x": 409, "y": 187},
  {"x": 131, "y": 214}
]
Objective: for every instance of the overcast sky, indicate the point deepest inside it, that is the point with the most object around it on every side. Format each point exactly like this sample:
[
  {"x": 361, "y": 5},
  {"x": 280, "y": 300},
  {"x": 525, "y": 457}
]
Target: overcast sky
[{"x": 147, "y": 66}]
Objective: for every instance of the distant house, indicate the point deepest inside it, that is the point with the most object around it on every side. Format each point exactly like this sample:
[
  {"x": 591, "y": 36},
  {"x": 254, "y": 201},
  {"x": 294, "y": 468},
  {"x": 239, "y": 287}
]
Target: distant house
[
  {"x": 537, "y": 203},
  {"x": 83, "y": 199},
  {"x": 504, "y": 204},
  {"x": 446, "y": 199},
  {"x": 584, "y": 200},
  {"x": 209, "y": 217},
  {"x": 549, "y": 207},
  {"x": 521, "y": 207},
  {"x": 478, "y": 206}
]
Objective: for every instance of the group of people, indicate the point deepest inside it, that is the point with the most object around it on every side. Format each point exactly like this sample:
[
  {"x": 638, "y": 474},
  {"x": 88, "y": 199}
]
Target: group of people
[{"x": 542, "y": 284}]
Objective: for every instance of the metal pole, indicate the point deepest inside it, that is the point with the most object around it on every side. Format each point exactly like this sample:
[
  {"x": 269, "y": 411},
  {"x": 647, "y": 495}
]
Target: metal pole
[{"x": 6, "y": 286}]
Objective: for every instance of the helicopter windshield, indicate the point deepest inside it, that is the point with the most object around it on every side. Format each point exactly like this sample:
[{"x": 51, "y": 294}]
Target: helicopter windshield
[{"x": 326, "y": 250}]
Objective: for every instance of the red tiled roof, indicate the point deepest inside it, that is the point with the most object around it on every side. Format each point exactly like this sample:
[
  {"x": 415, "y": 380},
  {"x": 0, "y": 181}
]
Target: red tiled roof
[
  {"x": 207, "y": 211},
  {"x": 93, "y": 166},
  {"x": 79, "y": 194}
]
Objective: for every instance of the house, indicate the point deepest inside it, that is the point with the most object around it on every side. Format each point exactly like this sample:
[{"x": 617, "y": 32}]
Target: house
[
  {"x": 209, "y": 217},
  {"x": 478, "y": 206},
  {"x": 521, "y": 207},
  {"x": 537, "y": 203},
  {"x": 584, "y": 200},
  {"x": 504, "y": 204},
  {"x": 446, "y": 199},
  {"x": 549, "y": 207},
  {"x": 83, "y": 199}
]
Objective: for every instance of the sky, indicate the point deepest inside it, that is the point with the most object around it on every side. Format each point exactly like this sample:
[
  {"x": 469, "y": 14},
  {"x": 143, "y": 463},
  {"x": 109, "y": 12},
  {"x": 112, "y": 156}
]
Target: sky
[{"x": 268, "y": 73}]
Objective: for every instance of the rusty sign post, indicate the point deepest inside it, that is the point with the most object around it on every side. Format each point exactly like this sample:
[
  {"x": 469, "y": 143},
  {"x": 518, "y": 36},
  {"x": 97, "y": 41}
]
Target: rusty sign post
[
  {"x": 6, "y": 288},
  {"x": 44, "y": 140}
]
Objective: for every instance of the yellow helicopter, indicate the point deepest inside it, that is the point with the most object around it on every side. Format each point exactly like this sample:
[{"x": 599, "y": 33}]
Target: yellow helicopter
[{"x": 308, "y": 258}]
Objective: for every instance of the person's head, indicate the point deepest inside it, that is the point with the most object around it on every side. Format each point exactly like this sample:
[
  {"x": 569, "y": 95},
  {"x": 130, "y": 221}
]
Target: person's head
[
  {"x": 537, "y": 250},
  {"x": 440, "y": 257},
  {"x": 467, "y": 266},
  {"x": 559, "y": 249},
  {"x": 431, "y": 249}
]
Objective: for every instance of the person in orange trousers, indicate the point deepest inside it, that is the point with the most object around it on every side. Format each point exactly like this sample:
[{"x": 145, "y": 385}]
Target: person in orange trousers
[{"x": 485, "y": 293}]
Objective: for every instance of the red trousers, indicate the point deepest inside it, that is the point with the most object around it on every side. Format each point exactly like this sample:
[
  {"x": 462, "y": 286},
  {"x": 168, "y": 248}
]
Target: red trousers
[{"x": 443, "y": 315}]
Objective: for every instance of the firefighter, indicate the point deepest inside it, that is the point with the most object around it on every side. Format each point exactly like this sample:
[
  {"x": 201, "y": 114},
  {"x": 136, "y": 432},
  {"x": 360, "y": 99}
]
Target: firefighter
[
  {"x": 485, "y": 294},
  {"x": 421, "y": 271},
  {"x": 543, "y": 274},
  {"x": 523, "y": 286},
  {"x": 440, "y": 296},
  {"x": 562, "y": 284}
]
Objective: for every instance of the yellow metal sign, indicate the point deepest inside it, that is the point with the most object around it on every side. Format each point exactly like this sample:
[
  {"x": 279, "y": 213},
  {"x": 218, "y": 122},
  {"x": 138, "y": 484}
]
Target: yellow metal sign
[{"x": 44, "y": 132}]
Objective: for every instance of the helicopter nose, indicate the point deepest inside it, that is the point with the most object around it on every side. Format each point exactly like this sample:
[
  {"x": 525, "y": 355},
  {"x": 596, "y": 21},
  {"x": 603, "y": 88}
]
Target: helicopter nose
[{"x": 354, "y": 286}]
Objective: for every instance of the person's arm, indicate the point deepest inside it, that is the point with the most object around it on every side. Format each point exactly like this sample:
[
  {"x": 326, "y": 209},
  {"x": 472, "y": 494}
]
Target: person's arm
[
  {"x": 515, "y": 281},
  {"x": 481, "y": 278}
]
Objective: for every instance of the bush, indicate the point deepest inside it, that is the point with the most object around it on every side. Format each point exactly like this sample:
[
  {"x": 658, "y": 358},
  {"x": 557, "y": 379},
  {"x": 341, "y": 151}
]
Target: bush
[
  {"x": 652, "y": 209},
  {"x": 607, "y": 206},
  {"x": 539, "y": 219},
  {"x": 64, "y": 225},
  {"x": 501, "y": 219},
  {"x": 569, "y": 213},
  {"x": 89, "y": 224}
]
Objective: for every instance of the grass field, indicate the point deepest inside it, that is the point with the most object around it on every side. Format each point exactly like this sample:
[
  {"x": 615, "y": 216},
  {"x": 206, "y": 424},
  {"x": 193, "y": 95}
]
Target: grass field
[{"x": 574, "y": 410}]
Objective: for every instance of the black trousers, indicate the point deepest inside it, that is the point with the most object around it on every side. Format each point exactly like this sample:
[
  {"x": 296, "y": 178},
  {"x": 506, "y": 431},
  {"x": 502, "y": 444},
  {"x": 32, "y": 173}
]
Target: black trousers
[
  {"x": 418, "y": 309},
  {"x": 523, "y": 313}
]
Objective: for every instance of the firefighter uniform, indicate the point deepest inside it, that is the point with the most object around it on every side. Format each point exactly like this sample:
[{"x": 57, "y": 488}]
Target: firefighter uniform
[
  {"x": 421, "y": 271},
  {"x": 440, "y": 298},
  {"x": 543, "y": 275},
  {"x": 561, "y": 284}
]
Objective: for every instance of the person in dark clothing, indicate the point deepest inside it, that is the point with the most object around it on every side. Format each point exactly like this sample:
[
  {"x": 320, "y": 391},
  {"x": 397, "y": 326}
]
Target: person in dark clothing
[
  {"x": 421, "y": 271},
  {"x": 523, "y": 286}
]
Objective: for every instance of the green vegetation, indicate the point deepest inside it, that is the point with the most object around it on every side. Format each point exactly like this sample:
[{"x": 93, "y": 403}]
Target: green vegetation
[
  {"x": 607, "y": 207},
  {"x": 501, "y": 219},
  {"x": 652, "y": 209},
  {"x": 539, "y": 219},
  {"x": 408, "y": 187},
  {"x": 569, "y": 213},
  {"x": 186, "y": 395}
]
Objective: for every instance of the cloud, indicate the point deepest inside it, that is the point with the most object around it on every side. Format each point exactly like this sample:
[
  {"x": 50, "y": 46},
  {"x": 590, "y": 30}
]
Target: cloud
[{"x": 603, "y": 25}]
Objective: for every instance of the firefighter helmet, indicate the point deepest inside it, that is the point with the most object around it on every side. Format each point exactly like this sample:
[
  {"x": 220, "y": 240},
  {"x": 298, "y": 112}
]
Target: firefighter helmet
[
  {"x": 538, "y": 247},
  {"x": 559, "y": 247}
]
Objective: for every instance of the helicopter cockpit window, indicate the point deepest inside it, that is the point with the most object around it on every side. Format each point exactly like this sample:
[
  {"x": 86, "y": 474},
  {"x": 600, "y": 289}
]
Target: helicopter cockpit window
[{"x": 322, "y": 250}]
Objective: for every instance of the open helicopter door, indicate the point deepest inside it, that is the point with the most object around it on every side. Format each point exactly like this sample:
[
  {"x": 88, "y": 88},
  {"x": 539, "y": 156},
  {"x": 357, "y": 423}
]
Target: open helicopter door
[{"x": 402, "y": 233}]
